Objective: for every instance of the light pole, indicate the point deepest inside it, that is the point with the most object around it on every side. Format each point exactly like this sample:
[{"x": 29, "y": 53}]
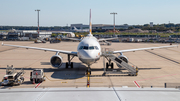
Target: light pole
[
  {"x": 114, "y": 21},
  {"x": 38, "y": 20}
]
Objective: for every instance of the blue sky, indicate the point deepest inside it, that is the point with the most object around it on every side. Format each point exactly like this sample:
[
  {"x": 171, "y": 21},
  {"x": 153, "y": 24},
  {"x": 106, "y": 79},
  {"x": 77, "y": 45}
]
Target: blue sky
[{"x": 63, "y": 12}]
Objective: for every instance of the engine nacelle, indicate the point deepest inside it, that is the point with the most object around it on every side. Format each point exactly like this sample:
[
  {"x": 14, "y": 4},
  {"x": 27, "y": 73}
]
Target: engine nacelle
[
  {"x": 124, "y": 58},
  {"x": 56, "y": 61}
]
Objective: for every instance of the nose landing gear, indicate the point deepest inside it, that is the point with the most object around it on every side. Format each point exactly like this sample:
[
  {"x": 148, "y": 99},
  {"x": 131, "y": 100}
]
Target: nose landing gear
[
  {"x": 88, "y": 73},
  {"x": 88, "y": 70}
]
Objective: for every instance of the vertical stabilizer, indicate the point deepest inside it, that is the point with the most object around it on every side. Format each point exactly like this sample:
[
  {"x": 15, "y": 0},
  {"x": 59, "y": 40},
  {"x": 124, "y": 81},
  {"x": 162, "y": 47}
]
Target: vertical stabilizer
[{"x": 90, "y": 24}]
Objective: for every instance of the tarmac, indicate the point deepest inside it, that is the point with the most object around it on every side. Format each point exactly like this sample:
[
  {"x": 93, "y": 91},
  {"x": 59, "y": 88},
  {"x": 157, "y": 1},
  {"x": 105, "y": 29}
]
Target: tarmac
[
  {"x": 156, "y": 67},
  {"x": 90, "y": 94}
]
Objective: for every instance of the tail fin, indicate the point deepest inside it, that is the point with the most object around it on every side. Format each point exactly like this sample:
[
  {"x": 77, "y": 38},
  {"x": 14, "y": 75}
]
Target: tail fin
[
  {"x": 90, "y": 24},
  {"x": 75, "y": 28}
]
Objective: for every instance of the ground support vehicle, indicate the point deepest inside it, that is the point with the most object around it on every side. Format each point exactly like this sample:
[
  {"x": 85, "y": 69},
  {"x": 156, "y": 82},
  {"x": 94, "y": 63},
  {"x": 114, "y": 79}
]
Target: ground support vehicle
[
  {"x": 39, "y": 41},
  {"x": 12, "y": 77},
  {"x": 56, "y": 40},
  {"x": 37, "y": 76}
]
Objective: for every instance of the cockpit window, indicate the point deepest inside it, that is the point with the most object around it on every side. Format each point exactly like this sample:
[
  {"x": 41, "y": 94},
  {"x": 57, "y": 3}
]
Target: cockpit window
[
  {"x": 89, "y": 48},
  {"x": 81, "y": 47},
  {"x": 85, "y": 47},
  {"x": 96, "y": 48}
]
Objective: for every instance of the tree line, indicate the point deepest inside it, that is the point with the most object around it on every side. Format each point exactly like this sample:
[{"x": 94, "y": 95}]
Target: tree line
[{"x": 157, "y": 27}]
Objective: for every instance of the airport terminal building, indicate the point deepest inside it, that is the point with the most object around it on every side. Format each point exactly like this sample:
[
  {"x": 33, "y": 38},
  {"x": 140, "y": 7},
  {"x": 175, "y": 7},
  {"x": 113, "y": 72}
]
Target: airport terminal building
[
  {"x": 99, "y": 26},
  {"x": 27, "y": 34}
]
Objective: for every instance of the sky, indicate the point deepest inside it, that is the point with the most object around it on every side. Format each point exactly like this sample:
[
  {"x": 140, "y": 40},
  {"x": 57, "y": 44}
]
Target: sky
[{"x": 66, "y": 12}]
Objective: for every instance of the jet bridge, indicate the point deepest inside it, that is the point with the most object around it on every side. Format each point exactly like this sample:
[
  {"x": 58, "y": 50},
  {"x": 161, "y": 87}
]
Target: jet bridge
[{"x": 108, "y": 54}]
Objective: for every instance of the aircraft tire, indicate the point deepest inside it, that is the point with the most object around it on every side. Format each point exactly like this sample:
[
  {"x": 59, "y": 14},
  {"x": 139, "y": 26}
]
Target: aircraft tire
[
  {"x": 112, "y": 66},
  {"x": 67, "y": 65},
  {"x": 107, "y": 65},
  {"x": 71, "y": 64},
  {"x": 87, "y": 72}
]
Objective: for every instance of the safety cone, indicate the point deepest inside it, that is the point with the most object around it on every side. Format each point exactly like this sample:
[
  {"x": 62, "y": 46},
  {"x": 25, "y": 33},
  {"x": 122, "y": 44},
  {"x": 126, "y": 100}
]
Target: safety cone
[{"x": 33, "y": 81}]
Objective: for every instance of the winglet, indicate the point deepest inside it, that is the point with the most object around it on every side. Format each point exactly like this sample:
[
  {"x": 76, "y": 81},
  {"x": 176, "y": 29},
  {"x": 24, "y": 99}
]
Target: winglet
[{"x": 2, "y": 44}]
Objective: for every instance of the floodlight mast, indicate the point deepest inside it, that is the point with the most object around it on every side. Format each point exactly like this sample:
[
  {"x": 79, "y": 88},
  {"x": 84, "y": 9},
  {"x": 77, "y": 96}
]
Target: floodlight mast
[
  {"x": 114, "y": 21},
  {"x": 38, "y": 20}
]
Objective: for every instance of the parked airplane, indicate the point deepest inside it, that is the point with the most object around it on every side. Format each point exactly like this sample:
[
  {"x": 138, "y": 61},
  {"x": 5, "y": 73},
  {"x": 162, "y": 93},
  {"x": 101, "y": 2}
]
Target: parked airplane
[
  {"x": 88, "y": 51},
  {"x": 80, "y": 30}
]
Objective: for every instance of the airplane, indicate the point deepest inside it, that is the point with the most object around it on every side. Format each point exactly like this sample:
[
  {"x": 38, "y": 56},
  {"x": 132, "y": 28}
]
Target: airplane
[
  {"x": 88, "y": 51},
  {"x": 80, "y": 30}
]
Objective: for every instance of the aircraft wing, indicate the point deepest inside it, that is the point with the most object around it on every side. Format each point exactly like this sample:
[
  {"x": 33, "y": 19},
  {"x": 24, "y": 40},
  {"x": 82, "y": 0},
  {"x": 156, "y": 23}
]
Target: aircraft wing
[
  {"x": 107, "y": 39},
  {"x": 44, "y": 49},
  {"x": 138, "y": 49}
]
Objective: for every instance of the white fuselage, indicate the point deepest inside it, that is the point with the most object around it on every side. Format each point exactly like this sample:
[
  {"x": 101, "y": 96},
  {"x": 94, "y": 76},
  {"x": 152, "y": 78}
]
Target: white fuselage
[{"x": 89, "y": 50}]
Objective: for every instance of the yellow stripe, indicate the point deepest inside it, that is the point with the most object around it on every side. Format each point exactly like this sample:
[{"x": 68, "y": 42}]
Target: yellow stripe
[{"x": 90, "y": 28}]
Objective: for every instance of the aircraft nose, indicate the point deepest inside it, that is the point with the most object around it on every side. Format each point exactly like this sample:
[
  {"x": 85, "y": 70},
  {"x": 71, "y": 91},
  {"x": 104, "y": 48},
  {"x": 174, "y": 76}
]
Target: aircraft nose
[{"x": 86, "y": 55}]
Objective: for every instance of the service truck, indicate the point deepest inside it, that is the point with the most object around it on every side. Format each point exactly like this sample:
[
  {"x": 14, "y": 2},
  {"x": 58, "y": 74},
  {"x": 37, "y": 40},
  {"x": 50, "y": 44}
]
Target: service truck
[{"x": 37, "y": 76}]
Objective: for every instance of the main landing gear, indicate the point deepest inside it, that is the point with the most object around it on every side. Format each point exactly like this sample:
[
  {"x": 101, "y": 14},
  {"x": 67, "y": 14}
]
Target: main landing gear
[
  {"x": 69, "y": 63},
  {"x": 109, "y": 64}
]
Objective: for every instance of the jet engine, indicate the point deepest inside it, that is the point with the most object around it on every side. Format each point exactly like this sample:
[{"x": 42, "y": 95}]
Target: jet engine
[
  {"x": 124, "y": 58},
  {"x": 56, "y": 61}
]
